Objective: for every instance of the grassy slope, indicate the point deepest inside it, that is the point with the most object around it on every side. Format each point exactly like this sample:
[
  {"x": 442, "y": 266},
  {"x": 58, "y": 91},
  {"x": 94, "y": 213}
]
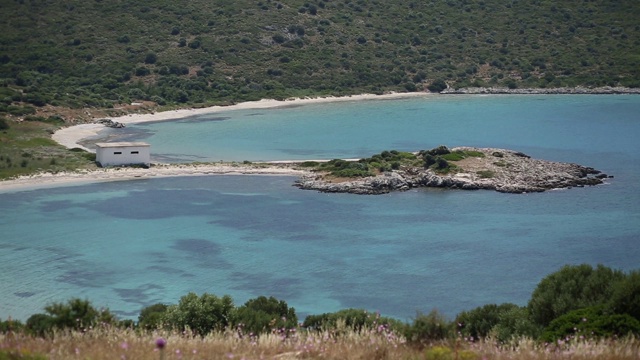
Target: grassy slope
[{"x": 87, "y": 53}]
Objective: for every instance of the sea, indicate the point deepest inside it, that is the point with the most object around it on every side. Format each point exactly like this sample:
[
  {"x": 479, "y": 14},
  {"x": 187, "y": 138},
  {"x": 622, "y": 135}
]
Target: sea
[{"x": 125, "y": 245}]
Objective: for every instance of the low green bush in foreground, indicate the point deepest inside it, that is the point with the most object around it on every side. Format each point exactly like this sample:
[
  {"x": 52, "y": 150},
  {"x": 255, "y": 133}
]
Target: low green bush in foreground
[{"x": 576, "y": 302}]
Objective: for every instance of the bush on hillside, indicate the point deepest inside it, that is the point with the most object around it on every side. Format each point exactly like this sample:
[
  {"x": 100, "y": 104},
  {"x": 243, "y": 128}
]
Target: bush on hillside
[
  {"x": 75, "y": 314},
  {"x": 572, "y": 287},
  {"x": 200, "y": 314},
  {"x": 150, "y": 317},
  {"x": 4, "y": 124},
  {"x": 9, "y": 325},
  {"x": 625, "y": 298},
  {"x": 591, "y": 322},
  {"x": 428, "y": 328},
  {"x": 478, "y": 322},
  {"x": 513, "y": 324},
  {"x": 262, "y": 315},
  {"x": 351, "y": 319},
  {"x": 437, "y": 86}
]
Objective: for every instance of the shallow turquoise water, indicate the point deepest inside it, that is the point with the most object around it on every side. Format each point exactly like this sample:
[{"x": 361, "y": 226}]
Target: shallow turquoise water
[{"x": 129, "y": 244}]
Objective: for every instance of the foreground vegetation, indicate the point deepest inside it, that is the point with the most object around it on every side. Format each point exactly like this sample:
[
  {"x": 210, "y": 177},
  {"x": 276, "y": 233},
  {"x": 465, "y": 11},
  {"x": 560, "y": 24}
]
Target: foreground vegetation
[
  {"x": 83, "y": 54},
  {"x": 109, "y": 344},
  {"x": 576, "y": 312}
]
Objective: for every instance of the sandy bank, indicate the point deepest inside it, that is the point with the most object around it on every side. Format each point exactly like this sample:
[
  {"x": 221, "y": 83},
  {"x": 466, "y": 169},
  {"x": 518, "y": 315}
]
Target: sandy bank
[
  {"x": 70, "y": 136},
  {"x": 49, "y": 180}
]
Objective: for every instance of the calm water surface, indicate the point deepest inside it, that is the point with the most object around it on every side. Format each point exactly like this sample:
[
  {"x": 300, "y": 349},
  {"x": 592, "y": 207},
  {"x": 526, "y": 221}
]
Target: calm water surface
[{"x": 126, "y": 245}]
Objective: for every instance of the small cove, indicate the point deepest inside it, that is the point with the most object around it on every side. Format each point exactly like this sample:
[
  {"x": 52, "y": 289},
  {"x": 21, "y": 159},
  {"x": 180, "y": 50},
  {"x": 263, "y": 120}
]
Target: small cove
[{"x": 130, "y": 244}]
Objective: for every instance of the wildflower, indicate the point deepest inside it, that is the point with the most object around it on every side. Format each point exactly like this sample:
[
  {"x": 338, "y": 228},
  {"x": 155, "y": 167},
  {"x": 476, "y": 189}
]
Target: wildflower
[
  {"x": 160, "y": 344},
  {"x": 124, "y": 346}
]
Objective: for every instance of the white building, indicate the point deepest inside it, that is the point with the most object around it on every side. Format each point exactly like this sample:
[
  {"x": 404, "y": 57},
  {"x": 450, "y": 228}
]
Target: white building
[{"x": 123, "y": 153}]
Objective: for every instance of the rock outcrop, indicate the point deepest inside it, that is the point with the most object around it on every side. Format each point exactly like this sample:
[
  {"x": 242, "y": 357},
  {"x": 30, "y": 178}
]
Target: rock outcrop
[
  {"x": 501, "y": 170},
  {"x": 110, "y": 123}
]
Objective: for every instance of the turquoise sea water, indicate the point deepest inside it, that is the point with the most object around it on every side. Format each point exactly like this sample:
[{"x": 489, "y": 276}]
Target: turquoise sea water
[{"x": 129, "y": 244}]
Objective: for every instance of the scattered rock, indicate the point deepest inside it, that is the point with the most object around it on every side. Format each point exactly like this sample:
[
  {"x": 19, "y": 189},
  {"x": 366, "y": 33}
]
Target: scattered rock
[{"x": 110, "y": 123}]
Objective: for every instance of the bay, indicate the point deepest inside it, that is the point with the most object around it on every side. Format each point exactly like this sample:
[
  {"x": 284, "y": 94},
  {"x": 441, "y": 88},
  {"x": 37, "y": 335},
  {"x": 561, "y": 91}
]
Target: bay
[{"x": 126, "y": 245}]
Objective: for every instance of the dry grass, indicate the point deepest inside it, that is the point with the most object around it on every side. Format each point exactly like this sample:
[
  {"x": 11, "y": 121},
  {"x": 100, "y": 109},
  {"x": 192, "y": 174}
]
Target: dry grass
[{"x": 372, "y": 344}]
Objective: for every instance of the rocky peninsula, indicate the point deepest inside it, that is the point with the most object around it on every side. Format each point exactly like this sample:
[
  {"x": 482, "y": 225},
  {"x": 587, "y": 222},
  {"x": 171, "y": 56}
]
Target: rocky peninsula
[{"x": 467, "y": 168}]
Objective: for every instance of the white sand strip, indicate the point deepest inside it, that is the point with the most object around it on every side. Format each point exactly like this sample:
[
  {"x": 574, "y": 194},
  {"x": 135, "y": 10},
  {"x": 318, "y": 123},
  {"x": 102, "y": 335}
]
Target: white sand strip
[{"x": 49, "y": 180}]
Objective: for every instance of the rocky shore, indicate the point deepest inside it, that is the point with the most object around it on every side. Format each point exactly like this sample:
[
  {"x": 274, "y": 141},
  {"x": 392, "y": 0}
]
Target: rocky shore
[
  {"x": 542, "y": 91},
  {"x": 501, "y": 170}
]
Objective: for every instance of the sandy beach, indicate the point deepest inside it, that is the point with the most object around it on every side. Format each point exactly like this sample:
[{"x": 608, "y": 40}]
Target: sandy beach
[
  {"x": 80, "y": 177},
  {"x": 70, "y": 137}
]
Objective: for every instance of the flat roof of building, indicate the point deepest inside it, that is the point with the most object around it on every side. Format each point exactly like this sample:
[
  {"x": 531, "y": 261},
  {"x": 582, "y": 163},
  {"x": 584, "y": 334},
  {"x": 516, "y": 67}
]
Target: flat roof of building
[{"x": 122, "y": 144}]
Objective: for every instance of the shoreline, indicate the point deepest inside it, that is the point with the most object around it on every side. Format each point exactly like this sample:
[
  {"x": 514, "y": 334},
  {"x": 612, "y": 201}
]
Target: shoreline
[
  {"x": 71, "y": 136},
  {"x": 83, "y": 177}
]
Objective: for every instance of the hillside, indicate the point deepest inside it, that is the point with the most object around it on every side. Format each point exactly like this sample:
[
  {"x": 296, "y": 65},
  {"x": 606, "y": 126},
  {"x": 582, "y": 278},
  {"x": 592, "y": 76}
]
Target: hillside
[{"x": 101, "y": 53}]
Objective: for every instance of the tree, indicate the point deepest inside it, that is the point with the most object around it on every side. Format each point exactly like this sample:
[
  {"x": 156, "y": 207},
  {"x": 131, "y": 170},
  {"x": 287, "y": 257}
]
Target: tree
[
  {"x": 4, "y": 125},
  {"x": 151, "y": 58},
  {"x": 77, "y": 314},
  {"x": 572, "y": 287},
  {"x": 514, "y": 323},
  {"x": 265, "y": 314},
  {"x": 437, "y": 86},
  {"x": 477, "y": 323},
  {"x": 353, "y": 319},
  {"x": 595, "y": 321},
  {"x": 201, "y": 314},
  {"x": 625, "y": 298},
  {"x": 431, "y": 327},
  {"x": 150, "y": 317},
  {"x": 39, "y": 324}
]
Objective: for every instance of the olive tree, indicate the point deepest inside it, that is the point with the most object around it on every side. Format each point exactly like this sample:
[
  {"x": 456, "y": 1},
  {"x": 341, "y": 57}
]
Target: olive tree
[
  {"x": 570, "y": 288},
  {"x": 200, "y": 314}
]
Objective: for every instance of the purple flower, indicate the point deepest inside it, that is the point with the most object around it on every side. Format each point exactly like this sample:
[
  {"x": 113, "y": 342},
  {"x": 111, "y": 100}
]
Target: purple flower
[{"x": 161, "y": 343}]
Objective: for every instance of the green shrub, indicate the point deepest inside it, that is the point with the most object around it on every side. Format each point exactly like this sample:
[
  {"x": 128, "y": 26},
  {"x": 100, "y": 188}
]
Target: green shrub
[
  {"x": 440, "y": 150},
  {"x": 310, "y": 164},
  {"x": 150, "y": 317},
  {"x": 429, "y": 160},
  {"x": 21, "y": 110},
  {"x": 454, "y": 156},
  {"x": 350, "y": 173},
  {"x": 77, "y": 314},
  {"x": 40, "y": 325},
  {"x": 591, "y": 322},
  {"x": 515, "y": 323},
  {"x": 485, "y": 174},
  {"x": 570, "y": 288},
  {"x": 351, "y": 319},
  {"x": 625, "y": 298},
  {"x": 477, "y": 323},
  {"x": 261, "y": 315},
  {"x": 437, "y": 86},
  {"x": 4, "y": 123},
  {"x": 11, "y": 326},
  {"x": 429, "y": 328},
  {"x": 201, "y": 314}
]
